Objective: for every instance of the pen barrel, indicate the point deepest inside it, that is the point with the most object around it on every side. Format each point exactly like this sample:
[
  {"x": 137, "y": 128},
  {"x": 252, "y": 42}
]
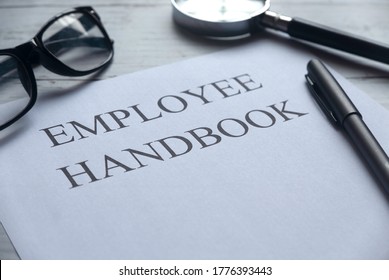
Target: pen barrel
[
  {"x": 330, "y": 37},
  {"x": 369, "y": 148}
]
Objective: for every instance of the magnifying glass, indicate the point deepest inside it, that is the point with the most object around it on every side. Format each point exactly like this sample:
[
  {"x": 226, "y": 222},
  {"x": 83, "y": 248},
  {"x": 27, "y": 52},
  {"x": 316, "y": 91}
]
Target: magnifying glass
[{"x": 234, "y": 18}]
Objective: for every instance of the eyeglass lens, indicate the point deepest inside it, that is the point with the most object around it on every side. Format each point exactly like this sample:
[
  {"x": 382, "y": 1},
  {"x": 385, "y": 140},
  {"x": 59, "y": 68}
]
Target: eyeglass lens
[
  {"x": 77, "y": 41},
  {"x": 15, "y": 88}
]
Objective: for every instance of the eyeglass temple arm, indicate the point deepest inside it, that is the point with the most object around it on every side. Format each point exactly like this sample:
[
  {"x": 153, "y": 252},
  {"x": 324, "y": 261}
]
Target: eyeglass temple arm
[
  {"x": 56, "y": 46},
  {"x": 86, "y": 24},
  {"x": 57, "y": 41},
  {"x": 70, "y": 32}
]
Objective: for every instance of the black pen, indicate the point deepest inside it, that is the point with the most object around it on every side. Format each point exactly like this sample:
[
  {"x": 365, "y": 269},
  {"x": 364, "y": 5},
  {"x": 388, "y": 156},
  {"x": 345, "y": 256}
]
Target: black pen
[{"x": 339, "y": 109}]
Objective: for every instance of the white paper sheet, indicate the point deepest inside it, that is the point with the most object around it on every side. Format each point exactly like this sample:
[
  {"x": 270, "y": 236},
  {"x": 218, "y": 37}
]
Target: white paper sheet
[{"x": 257, "y": 175}]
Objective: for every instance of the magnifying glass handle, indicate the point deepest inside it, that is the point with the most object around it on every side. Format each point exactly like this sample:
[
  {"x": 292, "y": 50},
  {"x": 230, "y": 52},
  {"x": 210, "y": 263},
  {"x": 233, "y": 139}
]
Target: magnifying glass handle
[{"x": 330, "y": 37}]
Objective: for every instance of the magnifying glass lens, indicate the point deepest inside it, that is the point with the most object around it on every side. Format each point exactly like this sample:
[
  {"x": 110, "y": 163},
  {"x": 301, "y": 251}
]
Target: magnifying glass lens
[{"x": 220, "y": 10}]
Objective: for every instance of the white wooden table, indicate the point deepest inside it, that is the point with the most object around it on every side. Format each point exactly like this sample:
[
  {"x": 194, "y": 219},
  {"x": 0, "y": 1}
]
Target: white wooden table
[{"x": 145, "y": 36}]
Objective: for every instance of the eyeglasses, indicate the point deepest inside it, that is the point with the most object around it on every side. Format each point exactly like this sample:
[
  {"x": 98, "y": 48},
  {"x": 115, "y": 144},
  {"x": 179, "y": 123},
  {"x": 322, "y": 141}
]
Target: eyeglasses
[{"x": 73, "y": 43}]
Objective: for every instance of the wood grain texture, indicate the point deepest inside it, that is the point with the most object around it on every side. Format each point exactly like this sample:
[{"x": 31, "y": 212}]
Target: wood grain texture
[{"x": 145, "y": 36}]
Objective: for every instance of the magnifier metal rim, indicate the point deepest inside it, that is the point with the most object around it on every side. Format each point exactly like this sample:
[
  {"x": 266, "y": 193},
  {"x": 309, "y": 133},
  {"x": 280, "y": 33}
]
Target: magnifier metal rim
[{"x": 216, "y": 28}]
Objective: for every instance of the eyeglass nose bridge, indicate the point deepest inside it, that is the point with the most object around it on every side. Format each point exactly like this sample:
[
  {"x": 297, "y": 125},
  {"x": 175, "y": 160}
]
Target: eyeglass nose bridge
[
  {"x": 27, "y": 57},
  {"x": 28, "y": 52},
  {"x": 32, "y": 53}
]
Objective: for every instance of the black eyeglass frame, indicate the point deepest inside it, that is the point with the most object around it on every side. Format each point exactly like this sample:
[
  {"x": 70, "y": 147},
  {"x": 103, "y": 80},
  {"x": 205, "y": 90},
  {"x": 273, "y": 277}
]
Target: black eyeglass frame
[{"x": 34, "y": 51}]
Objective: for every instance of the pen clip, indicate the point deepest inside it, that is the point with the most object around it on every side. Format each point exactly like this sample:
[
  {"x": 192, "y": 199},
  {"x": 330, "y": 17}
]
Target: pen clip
[{"x": 315, "y": 91}]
